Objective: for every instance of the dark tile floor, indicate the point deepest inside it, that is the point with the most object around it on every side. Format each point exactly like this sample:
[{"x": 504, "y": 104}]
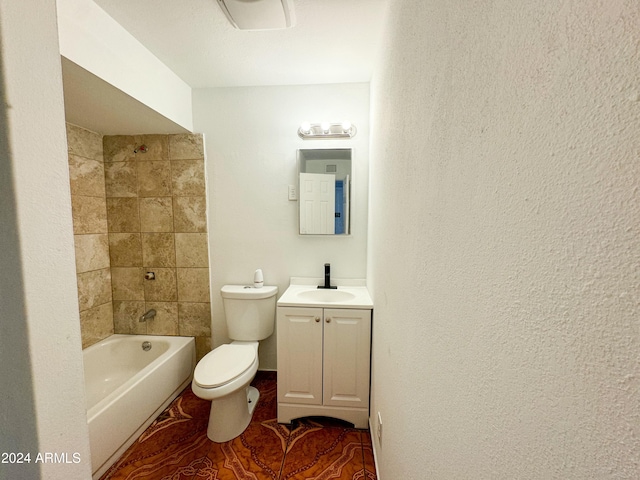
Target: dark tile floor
[{"x": 176, "y": 447}]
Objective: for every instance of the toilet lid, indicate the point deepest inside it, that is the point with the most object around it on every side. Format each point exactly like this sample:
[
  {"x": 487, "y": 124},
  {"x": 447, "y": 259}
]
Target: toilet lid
[{"x": 223, "y": 364}]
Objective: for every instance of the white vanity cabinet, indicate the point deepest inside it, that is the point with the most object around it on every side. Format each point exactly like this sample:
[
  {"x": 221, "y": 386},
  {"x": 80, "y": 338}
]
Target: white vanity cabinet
[{"x": 324, "y": 363}]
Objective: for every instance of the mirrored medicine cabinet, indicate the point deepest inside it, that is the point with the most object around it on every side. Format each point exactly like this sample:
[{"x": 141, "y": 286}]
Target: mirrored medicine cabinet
[{"x": 324, "y": 191}]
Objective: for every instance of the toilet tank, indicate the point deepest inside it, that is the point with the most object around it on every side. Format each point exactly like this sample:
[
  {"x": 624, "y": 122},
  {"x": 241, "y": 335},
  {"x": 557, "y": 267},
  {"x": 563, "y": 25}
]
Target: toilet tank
[{"x": 249, "y": 312}]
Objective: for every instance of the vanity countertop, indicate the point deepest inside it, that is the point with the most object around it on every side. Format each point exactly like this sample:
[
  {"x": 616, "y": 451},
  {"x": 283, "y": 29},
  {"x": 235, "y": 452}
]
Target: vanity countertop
[{"x": 305, "y": 293}]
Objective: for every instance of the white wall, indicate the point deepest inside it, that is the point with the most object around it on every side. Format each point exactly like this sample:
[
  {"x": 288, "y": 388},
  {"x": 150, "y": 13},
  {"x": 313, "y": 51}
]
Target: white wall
[
  {"x": 90, "y": 38},
  {"x": 43, "y": 406},
  {"x": 506, "y": 275},
  {"x": 251, "y": 141}
]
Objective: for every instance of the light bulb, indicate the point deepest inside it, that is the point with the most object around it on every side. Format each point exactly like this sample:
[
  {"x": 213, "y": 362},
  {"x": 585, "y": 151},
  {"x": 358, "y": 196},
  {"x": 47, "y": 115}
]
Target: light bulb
[
  {"x": 326, "y": 126},
  {"x": 305, "y": 127},
  {"x": 346, "y": 126}
]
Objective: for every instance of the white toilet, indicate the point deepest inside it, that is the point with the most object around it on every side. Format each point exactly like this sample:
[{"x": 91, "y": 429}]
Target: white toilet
[{"x": 224, "y": 374}]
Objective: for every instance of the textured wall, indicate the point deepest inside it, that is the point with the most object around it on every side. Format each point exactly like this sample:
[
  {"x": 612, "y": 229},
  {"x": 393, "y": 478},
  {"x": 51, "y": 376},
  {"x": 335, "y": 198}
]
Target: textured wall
[
  {"x": 42, "y": 406},
  {"x": 506, "y": 177}
]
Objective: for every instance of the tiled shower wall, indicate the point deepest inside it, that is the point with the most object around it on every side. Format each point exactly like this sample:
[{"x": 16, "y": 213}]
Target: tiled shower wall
[
  {"x": 156, "y": 222},
  {"x": 88, "y": 200},
  {"x": 156, "y": 211}
]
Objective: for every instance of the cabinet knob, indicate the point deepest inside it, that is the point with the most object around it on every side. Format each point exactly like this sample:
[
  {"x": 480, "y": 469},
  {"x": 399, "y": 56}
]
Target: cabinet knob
[
  {"x": 328, "y": 320},
  {"x": 317, "y": 319}
]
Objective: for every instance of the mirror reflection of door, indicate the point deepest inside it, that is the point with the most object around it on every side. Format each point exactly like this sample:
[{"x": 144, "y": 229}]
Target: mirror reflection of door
[
  {"x": 317, "y": 203},
  {"x": 324, "y": 191}
]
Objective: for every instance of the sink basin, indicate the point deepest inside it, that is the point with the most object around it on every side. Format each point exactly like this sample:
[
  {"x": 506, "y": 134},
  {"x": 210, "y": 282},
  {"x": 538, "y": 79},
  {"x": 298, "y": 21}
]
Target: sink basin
[{"x": 326, "y": 296}]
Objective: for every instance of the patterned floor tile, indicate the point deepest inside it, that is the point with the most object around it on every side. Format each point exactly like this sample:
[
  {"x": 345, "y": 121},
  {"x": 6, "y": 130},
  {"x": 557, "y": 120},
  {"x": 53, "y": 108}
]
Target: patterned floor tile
[
  {"x": 176, "y": 447},
  {"x": 257, "y": 454},
  {"x": 319, "y": 452},
  {"x": 267, "y": 408},
  {"x": 176, "y": 437}
]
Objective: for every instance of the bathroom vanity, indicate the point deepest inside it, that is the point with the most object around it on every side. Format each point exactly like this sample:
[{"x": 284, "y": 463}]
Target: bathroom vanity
[{"x": 324, "y": 351}]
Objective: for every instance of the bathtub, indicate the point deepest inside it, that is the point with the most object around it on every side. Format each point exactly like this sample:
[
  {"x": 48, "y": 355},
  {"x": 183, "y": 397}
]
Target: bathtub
[{"x": 127, "y": 388}]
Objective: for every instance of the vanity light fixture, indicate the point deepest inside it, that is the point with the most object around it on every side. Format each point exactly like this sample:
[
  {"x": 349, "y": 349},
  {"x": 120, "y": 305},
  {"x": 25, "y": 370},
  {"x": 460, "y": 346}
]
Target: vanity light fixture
[
  {"x": 305, "y": 128},
  {"x": 308, "y": 131}
]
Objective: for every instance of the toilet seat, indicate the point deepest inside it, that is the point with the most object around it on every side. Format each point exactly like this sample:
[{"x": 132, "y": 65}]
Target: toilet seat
[{"x": 224, "y": 364}]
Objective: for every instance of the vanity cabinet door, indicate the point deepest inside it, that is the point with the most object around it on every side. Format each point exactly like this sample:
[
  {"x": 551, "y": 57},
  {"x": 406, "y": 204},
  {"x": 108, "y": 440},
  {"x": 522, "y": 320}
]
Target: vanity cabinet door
[
  {"x": 299, "y": 341},
  {"x": 347, "y": 346}
]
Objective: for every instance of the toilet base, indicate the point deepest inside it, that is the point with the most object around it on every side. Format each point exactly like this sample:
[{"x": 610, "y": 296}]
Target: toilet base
[
  {"x": 231, "y": 415},
  {"x": 253, "y": 395}
]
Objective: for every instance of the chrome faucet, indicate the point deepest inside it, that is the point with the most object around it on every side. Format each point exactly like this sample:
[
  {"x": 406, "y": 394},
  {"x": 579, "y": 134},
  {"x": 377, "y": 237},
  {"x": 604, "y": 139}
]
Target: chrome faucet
[
  {"x": 148, "y": 315},
  {"x": 327, "y": 277}
]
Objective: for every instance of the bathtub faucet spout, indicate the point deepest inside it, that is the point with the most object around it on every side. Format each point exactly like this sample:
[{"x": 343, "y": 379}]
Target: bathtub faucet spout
[{"x": 148, "y": 315}]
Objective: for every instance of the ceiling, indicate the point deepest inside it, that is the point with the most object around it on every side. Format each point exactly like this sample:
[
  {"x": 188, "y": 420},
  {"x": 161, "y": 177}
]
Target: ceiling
[{"x": 333, "y": 41}]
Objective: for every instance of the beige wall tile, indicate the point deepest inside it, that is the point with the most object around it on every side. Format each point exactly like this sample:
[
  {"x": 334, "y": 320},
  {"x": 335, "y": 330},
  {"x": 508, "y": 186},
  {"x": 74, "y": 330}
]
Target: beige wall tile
[
  {"x": 122, "y": 214},
  {"x": 89, "y": 214},
  {"x": 154, "y": 179},
  {"x": 158, "y": 250},
  {"x": 84, "y": 143},
  {"x": 126, "y": 283},
  {"x": 141, "y": 217},
  {"x": 187, "y": 177},
  {"x": 190, "y": 214},
  {"x": 96, "y": 324},
  {"x": 192, "y": 250},
  {"x": 157, "y": 147},
  {"x": 194, "y": 319},
  {"x": 156, "y": 214},
  {"x": 119, "y": 148},
  {"x": 193, "y": 285},
  {"x": 166, "y": 320},
  {"x": 92, "y": 252},
  {"x": 86, "y": 176},
  {"x": 125, "y": 249},
  {"x": 126, "y": 314},
  {"x": 203, "y": 346},
  {"x": 186, "y": 146},
  {"x": 126, "y": 148},
  {"x": 121, "y": 179},
  {"x": 163, "y": 288},
  {"x": 94, "y": 288}
]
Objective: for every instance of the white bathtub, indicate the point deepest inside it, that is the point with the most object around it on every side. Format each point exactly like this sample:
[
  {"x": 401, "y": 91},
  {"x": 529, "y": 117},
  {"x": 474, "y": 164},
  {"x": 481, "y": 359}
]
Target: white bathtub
[{"x": 127, "y": 388}]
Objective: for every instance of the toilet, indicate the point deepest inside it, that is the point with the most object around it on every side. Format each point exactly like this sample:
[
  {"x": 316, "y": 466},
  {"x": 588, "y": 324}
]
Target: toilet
[{"x": 224, "y": 374}]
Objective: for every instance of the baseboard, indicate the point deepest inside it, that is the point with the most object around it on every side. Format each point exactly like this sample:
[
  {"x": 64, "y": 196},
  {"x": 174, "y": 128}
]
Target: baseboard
[{"x": 374, "y": 443}]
